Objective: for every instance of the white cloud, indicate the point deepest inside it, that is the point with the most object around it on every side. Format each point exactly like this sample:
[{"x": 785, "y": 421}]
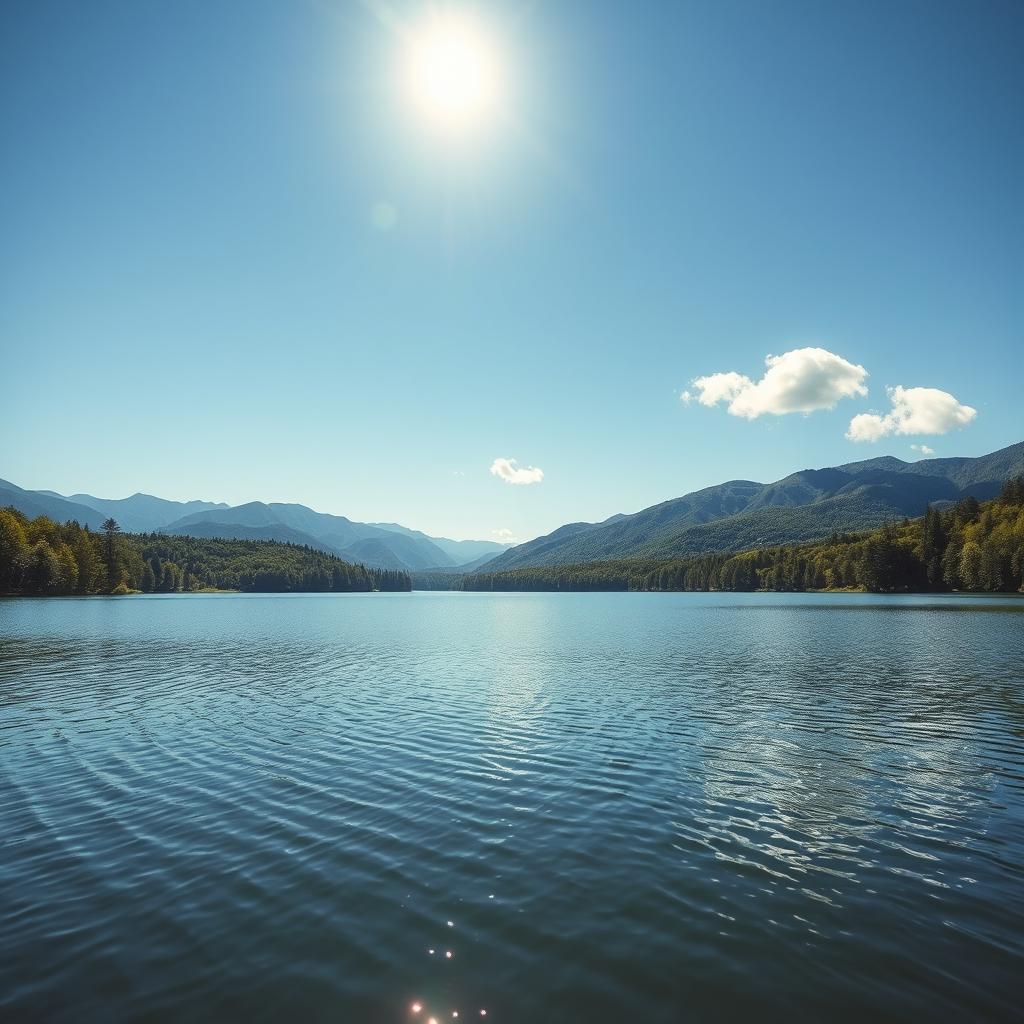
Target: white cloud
[
  {"x": 686, "y": 398},
  {"x": 721, "y": 387},
  {"x": 458, "y": 472},
  {"x": 914, "y": 411},
  {"x": 504, "y": 536},
  {"x": 923, "y": 449},
  {"x": 802, "y": 380},
  {"x": 513, "y": 474}
]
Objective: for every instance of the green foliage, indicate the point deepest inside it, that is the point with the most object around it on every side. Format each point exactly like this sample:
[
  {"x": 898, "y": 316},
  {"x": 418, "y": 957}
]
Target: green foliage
[
  {"x": 970, "y": 546},
  {"x": 741, "y": 515},
  {"x": 13, "y": 548},
  {"x": 41, "y": 557},
  {"x": 112, "y": 551}
]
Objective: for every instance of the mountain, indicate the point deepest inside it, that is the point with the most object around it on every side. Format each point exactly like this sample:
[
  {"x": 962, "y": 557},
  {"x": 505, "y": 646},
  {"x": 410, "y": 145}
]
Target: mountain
[
  {"x": 460, "y": 552},
  {"x": 376, "y": 552},
  {"x": 739, "y": 514},
  {"x": 143, "y": 513},
  {"x": 395, "y": 551},
  {"x": 358, "y": 542},
  {"x": 243, "y": 531},
  {"x": 623, "y": 536},
  {"x": 475, "y": 564},
  {"x": 380, "y": 545},
  {"x": 965, "y": 473},
  {"x": 448, "y": 572},
  {"x": 46, "y": 503},
  {"x": 376, "y": 545}
]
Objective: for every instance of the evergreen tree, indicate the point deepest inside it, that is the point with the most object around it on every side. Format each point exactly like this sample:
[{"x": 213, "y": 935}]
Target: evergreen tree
[
  {"x": 110, "y": 532},
  {"x": 933, "y": 545}
]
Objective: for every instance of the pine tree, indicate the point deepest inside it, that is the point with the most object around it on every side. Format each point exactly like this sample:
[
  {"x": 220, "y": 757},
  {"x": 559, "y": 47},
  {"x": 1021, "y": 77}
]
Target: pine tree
[
  {"x": 933, "y": 544},
  {"x": 111, "y": 530}
]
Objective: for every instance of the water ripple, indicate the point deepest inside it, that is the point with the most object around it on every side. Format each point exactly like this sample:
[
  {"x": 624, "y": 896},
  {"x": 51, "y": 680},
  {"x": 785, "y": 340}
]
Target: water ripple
[{"x": 603, "y": 807}]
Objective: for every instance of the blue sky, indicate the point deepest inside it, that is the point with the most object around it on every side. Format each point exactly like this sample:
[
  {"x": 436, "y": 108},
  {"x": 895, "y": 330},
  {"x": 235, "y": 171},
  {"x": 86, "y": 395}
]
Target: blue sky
[{"x": 237, "y": 264}]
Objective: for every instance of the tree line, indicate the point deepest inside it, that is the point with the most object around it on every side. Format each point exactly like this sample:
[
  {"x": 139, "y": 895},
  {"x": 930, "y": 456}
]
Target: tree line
[
  {"x": 40, "y": 557},
  {"x": 969, "y": 546}
]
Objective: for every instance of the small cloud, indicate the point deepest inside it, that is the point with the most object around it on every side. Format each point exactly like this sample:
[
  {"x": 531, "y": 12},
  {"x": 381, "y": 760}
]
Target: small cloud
[
  {"x": 686, "y": 398},
  {"x": 923, "y": 449},
  {"x": 458, "y": 472},
  {"x": 802, "y": 380},
  {"x": 384, "y": 215},
  {"x": 914, "y": 411},
  {"x": 513, "y": 474},
  {"x": 504, "y": 536}
]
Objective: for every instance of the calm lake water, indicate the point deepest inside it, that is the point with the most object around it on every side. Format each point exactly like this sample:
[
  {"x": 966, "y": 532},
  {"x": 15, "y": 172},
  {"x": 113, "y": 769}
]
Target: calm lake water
[{"x": 606, "y": 807}]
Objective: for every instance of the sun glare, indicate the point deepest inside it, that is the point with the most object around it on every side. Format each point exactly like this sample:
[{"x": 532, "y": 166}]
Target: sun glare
[{"x": 453, "y": 73}]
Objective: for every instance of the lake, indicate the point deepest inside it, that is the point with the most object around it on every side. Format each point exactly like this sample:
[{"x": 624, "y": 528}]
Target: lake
[{"x": 604, "y": 807}]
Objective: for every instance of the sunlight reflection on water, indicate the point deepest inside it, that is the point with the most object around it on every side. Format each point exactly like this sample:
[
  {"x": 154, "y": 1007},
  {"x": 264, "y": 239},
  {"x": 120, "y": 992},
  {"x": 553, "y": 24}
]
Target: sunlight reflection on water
[{"x": 542, "y": 807}]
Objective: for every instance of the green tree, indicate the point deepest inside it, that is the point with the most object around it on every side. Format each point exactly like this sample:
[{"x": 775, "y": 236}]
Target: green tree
[
  {"x": 1013, "y": 492},
  {"x": 90, "y": 568},
  {"x": 933, "y": 546},
  {"x": 967, "y": 510},
  {"x": 43, "y": 570},
  {"x": 971, "y": 565},
  {"x": 68, "y": 569},
  {"x": 13, "y": 549},
  {"x": 110, "y": 532}
]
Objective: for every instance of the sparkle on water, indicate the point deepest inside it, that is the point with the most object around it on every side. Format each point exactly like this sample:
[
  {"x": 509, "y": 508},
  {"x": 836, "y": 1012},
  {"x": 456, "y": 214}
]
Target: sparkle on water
[{"x": 633, "y": 807}]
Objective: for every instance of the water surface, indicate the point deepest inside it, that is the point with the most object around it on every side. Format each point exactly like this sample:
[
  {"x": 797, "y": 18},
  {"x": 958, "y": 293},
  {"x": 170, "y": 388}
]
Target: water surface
[{"x": 656, "y": 807}]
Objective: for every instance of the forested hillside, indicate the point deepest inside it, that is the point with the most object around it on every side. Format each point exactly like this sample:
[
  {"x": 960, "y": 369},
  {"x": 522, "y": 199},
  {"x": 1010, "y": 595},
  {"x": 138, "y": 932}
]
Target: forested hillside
[
  {"x": 970, "y": 546},
  {"x": 741, "y": 514},
  {"x": 41, "y": 557}
]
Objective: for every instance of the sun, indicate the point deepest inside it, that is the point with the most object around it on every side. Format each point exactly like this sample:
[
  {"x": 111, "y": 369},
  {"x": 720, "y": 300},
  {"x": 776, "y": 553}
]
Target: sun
[{"x": 453, "y": 73}]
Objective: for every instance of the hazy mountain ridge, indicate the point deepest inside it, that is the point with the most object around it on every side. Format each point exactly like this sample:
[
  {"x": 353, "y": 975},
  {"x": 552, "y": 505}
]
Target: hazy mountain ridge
[
  {"x": 242, "y": 531},
  {"x": 737, "y": 514},
  {"x": 143, "y": 513},
  {"x": 460, "y": 551},
  {"x": 48, "y": 503},
  {"x": 358, "y": 542},
  {"x": 805, "y": 505},
  {"x": 379, "y": 546}
]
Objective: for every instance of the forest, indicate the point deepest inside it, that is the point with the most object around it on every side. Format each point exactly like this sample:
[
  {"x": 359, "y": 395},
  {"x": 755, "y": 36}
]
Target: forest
[
  {"x": 969, "y": 546},
  {"x": 39, "y": 557}
]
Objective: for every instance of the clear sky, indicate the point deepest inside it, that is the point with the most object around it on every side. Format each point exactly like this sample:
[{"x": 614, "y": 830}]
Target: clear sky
[{"x": 240, "y": 260}]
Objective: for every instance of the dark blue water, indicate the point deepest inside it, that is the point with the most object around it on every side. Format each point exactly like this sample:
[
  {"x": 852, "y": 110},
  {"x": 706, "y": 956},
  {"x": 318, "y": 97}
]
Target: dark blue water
[{"x": 629, "y": 807}]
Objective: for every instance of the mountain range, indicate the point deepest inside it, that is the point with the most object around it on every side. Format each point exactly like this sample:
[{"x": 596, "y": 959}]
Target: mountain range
[
  {"x": 743, "y": 514},
  {"x": 733, "y": 516},
  {"x": 376, "y": 545}
]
